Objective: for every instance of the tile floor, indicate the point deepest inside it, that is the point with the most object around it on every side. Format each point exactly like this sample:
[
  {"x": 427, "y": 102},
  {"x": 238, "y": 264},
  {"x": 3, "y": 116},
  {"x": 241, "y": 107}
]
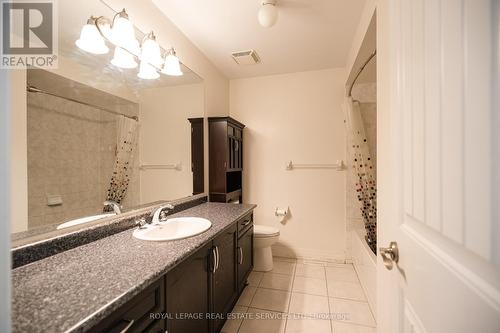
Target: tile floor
[{"x": 302, "y": 296}]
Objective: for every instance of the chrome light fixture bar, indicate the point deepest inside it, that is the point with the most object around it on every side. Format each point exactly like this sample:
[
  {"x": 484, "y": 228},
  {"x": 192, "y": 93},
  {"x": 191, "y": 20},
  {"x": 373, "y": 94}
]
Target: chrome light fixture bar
[{"x": 120, "y": 33}]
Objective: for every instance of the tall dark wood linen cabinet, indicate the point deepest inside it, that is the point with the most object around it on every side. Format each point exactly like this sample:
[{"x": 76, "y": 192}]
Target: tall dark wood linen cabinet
[
  {"x": 197, "y": 158},
  {"x": 225, "y": 159}
]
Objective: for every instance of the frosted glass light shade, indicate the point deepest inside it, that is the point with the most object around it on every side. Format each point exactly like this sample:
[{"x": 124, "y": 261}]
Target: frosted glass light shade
[
  {"x": 151, "y": 52},
  {"x": 123, "y": 59},
  {"x": 147, "y": 72},
  {"x": 172, "y": 66},
  {"x": 123, "y": 33},
  {"x": 268, "y": 15},
  {"x": 91, "y": 40}
]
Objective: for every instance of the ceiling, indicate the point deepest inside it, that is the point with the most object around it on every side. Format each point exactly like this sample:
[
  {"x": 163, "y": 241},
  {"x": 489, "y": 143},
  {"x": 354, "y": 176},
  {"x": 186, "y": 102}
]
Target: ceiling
[{"x": 309, "y": 34}]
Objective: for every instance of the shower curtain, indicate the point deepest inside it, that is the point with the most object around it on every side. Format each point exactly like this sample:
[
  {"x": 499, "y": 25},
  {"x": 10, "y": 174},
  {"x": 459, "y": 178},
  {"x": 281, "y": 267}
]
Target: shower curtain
[
  {"x": 363, "y": 171},
  {"x": 126, "y": 146}
]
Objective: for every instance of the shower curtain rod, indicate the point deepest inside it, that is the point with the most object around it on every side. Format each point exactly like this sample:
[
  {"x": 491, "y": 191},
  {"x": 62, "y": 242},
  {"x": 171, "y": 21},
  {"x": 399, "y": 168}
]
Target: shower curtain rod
[
  {"x": 34, "y": 89},
  {"x": 360, "y": 70}
]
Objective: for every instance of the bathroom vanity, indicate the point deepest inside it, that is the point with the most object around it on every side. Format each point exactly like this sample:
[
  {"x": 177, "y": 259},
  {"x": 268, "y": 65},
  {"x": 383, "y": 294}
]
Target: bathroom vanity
[{"x": 123, "y": 284}]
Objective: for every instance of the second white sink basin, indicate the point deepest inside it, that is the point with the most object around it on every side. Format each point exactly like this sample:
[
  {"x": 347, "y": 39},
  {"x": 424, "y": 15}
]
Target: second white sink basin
[
  {"x": 175, "y": 228},
  {"x": 84, "y": 220}
]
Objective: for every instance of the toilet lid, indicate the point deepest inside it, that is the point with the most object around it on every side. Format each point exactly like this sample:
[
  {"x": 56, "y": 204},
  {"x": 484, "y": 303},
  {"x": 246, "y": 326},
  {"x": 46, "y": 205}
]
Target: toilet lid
[{"x": 265, "y": 231}]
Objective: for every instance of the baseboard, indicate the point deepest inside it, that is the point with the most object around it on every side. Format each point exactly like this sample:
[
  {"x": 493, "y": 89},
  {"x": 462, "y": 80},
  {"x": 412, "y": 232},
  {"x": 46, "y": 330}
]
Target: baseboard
[{"x": 308, "y": 254}]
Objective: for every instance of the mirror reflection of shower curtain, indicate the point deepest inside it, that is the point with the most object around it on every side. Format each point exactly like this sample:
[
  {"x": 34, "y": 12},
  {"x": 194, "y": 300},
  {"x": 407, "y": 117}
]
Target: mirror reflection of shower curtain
[
  {"x": 126, "y": 146},
  {"x": 363, "y": 170}
]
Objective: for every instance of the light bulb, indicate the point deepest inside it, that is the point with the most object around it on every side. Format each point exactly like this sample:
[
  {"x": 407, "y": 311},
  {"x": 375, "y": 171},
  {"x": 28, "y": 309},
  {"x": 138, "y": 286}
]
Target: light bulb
[
  {"x": 172, "y": 66},
  {"x": 147, "y": 72},
  {"x": 151, "y": 52},
  {"x": 268, "y": 14},
  {"x": 123, "y": 59},
  {"x": 91, "y": 40}
]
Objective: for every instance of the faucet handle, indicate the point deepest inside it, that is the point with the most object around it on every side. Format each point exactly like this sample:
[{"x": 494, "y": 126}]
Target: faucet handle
[{"x": 141, "y": 222}]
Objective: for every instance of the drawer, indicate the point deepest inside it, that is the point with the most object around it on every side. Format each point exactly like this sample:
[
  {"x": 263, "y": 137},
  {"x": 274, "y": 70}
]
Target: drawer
[
  {"x": 245, "y": 223},
  {"x": 135, "y": 315}
]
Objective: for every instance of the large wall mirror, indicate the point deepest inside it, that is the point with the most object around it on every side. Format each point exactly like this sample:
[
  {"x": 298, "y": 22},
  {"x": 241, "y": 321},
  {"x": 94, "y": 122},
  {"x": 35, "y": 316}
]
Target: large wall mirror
[{"x": 97, "y": 134}]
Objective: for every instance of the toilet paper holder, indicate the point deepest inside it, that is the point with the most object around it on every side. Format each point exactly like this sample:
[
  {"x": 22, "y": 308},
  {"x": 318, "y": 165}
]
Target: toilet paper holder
[{"x": 281, "y": 213}]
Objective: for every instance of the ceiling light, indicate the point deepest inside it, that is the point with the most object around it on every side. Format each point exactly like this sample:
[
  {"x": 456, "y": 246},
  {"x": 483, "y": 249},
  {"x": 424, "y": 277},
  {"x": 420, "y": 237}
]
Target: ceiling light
[
  {"x": 151, "y": 52},
  {"x": 268, "y": 13},
  {"x": 172, "y": 65},
  {"x": 91, "y": 40},
  {"x": 123, "y": 59},
  {"x": 147, "y": 72}
]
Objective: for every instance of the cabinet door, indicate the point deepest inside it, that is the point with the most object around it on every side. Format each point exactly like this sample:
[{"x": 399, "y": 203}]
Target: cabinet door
[
  {"x": 136, "y": 315},
  {"x": 245, "y": 257},
  {"x": 187, "y": 294},
  {"x": 224, "y": 284}
]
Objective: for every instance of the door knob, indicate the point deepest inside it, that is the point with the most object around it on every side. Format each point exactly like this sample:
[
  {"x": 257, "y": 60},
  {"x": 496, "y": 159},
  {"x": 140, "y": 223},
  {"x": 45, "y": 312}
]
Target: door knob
[{"x": 390, "y": 255}]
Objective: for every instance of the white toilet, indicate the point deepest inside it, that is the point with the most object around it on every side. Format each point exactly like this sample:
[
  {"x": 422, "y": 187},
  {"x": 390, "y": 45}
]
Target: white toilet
[{"x": 264, "y": 237}]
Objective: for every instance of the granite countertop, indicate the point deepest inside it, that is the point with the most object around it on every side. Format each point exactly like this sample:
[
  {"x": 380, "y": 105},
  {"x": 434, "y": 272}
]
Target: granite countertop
[{"x": 75, "y": 289}]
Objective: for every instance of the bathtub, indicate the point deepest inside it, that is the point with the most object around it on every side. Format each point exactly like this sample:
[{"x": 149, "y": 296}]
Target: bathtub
[{"x": 365, "y": 263}]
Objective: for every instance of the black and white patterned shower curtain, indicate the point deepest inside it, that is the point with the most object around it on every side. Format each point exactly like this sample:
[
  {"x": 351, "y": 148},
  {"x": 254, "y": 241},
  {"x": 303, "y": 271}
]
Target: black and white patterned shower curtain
[
  {"x": 126, "y": 146},
  {"x": 363, "y": 171}
]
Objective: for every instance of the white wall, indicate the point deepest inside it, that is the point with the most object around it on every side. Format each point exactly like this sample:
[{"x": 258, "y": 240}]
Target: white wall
[
  {"x": 295, "y": 117},
  {"x": 165, "y": 138}
]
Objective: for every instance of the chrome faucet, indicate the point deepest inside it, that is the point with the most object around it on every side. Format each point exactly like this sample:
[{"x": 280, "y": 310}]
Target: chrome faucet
[
  {"x": 116, "y": 206},
  {"x": 160, "y": 214}
]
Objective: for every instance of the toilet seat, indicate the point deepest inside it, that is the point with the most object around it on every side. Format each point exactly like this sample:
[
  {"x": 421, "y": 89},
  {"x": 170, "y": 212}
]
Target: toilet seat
[{"x": 262, "y": 231}]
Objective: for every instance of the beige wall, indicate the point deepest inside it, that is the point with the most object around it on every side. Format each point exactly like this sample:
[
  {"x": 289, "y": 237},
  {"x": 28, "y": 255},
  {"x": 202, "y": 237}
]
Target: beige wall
[
  {"x": 295, "y": 117},
  {"x": 19, "y": 152},
  {"x": 165, "y": 138}
]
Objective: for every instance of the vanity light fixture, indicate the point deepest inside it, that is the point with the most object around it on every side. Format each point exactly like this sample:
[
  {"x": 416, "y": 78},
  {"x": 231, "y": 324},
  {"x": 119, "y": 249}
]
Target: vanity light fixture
[
  {"x": 123, "y": 33},
  {"x": 147, "y": 72},
  {"x": 120, "y": 32},
  {"x": 172, "y": 65},
  {"x": 123, "y": 59},
  {"x": 90, "y": 39},
  {"x": 150, "y": 50}
]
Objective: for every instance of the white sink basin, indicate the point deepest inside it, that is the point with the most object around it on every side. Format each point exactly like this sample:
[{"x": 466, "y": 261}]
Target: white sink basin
[
  {"x": 83, "y": 220},
  {"x": 175, "y": 228}
]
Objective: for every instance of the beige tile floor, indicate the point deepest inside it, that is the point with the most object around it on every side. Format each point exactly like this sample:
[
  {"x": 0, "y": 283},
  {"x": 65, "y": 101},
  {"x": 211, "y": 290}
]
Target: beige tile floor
[{"x": 302, "y": 297}]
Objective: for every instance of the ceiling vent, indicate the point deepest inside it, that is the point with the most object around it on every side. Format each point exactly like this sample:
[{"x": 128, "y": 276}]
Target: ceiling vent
[{"x": 249, "y": 57}]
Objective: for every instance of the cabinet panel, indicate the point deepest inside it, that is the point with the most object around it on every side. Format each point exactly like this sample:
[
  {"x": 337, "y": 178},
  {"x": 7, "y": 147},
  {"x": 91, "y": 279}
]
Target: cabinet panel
[
  {"x": 226, "y": 156},
  {"x": 245, "y": 257},
  {"x": 134, "y": 316},
  {"x": 224, "y": 285},
  {"x": 187, "y": 293},
  {"x": 197, "y": 155}
]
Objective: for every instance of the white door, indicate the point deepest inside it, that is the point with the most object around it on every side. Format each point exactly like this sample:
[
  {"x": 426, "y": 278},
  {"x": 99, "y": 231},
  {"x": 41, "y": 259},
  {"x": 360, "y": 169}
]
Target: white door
[{"x": 435, "y": 167}]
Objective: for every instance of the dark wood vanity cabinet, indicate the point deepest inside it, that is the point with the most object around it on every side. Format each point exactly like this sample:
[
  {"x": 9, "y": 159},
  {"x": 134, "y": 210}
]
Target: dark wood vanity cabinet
[
  {"x": 224, "y": 278},
  {"x": 187, "y": 287},
  {"x": 138, "y": 314},
  {"x": 245, "y": 257},
  {"x": 197, "y": 294},
  {"x": 226, "y": 159}
]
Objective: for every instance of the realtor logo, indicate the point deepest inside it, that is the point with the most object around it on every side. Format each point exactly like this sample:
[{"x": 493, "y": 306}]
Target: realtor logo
[{"x": 28, "y": 35}]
